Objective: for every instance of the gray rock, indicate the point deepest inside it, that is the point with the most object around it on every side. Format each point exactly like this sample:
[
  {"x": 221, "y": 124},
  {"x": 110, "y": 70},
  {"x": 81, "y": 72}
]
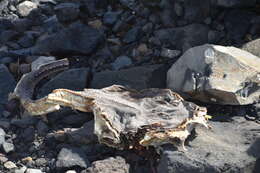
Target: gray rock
[
  {"x": 2, "y": 136},
  {"x": 110, "y": 165},
  {"x": 67, "y": 12},
  {"x": 110, "y": 17},
  {"x": 7, "y": 85},
  {"x": 8, "y": 147},
  {"x": 237, "y": 23},
  {"x": 76, "y": 39},
  {"x": 217, "y": 74},
  {"x": 27, "y": 135},
  {"x": 74, "y": 79},
  {"x": 24, "y": 122},
  {"x": 129, "y": 3},
  {"x": 40, "y": 61},
  {"x": 236, "y": 3},
  {"x": 71, "y": 157},
  {"x": 121, "y": 62},
  {"x": 30, "y": 170},
  {"x": 7, "y": 35},
  {"x": 229, "y": 147},
  {"x": 24, "y": 8},
  {"x": 183, "y": 38},
  {"x": 142, "y": 77},
  {"x": 4, "y": 124},
  {"x": 40, "y": 162},
  {"x": 253, "y": 47},
  {"x": 22, "y": 24},
  {"x": 42, "y": 128},
  {"x": 196, "y": 11},
  {"x": 26, "y": 41},
  {"x": 6, "y": 60},
  {"x": 133, "y": 35},
  {"x": 84, "y": 135}
]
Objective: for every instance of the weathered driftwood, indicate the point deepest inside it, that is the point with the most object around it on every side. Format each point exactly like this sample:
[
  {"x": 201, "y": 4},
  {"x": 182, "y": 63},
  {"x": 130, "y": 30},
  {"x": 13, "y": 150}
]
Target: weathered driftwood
[{"x": 124, "y": 118}]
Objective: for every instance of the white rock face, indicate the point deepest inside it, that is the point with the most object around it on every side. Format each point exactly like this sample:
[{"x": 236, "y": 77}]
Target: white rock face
[{"x": 217, "y": 74}]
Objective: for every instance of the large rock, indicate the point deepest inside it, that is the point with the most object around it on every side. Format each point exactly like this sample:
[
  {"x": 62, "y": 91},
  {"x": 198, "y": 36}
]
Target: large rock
[
  {"x": 142, "y": 77},
  {"x": 196, "y": 11},
  {"x": 76, "y": 39},
  {"x": 7, "y": 85},
  {"x": 217, "y": 74},
  {"x": 253, "y": 47},
  {"x": 229, "y": 147},
  {"x": 67, "y": 12},
  {"x": 74, "y": 79},
  {"x": 183, "y": 38}
]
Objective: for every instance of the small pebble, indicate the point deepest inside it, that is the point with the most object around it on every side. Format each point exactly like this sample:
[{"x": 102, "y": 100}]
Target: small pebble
[
  {"x": 168, "y": 53},
  {"x": 8, "y": 147},
  {"x": 10, "y": 165},
  {"x": 71, "y": 171},
  {"x": 97, "y": 24},
  {"x": 30, "y": 170}
]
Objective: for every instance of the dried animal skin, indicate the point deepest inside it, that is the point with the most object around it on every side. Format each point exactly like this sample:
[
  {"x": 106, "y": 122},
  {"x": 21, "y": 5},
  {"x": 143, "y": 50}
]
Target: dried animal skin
[{"x": 125, "y": 118}]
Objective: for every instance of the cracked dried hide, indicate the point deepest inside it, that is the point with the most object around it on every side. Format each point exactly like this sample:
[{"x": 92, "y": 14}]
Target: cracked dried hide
[{"x": 124, "y": 118}]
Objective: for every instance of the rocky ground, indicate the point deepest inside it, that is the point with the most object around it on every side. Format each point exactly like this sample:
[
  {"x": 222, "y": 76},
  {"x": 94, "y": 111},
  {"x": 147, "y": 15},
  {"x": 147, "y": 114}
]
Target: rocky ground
[{"x": 132, "y": 43}]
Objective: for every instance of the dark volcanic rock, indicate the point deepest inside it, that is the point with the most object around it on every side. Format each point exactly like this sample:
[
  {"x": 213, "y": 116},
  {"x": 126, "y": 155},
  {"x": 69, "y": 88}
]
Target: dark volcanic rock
[
  {"x": 74, "y": 79},
  {"x": 183, "y": 38},
  {"x": 84, "y": 135},
  {"x": 71, "y": 157},
  {"x": 76, "y": 39},
  {"x": 142, "y": 77},
  {"x": 253, "y": 47},
  {"x": 109, "y": 165},
  {"x": 110, "y": 17},
  {"x": 67, "y": 12},
  {"x": 196, "y": 11},
  {"x": 237, "y": 23},
  {"x": 24, "y": 122},
  {"x": 229, "y": 147},
  {"x": 236, "y": 3},
  {"x": 121, "y": 62},
  {"x": 7, "y": 85},
  {"x": 133, "y": 35}
]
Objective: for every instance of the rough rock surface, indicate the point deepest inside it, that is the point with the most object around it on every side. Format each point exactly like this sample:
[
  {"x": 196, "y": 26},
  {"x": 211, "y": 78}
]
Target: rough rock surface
[
  {"x": 109, "y": 165},
  {"x": 71, "y": 157},
  {"x": 74, "y": 79},
  {"x": 229, "y": 147},
  {"x": 7, "y": 85},
  {"x": 76, "y": 39},
  {"x": 185, "y": 37},
  {"x": 253, "y": 47},
  {"x": 217, "y": 74},
  {"x": 138, "y": 77}
]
